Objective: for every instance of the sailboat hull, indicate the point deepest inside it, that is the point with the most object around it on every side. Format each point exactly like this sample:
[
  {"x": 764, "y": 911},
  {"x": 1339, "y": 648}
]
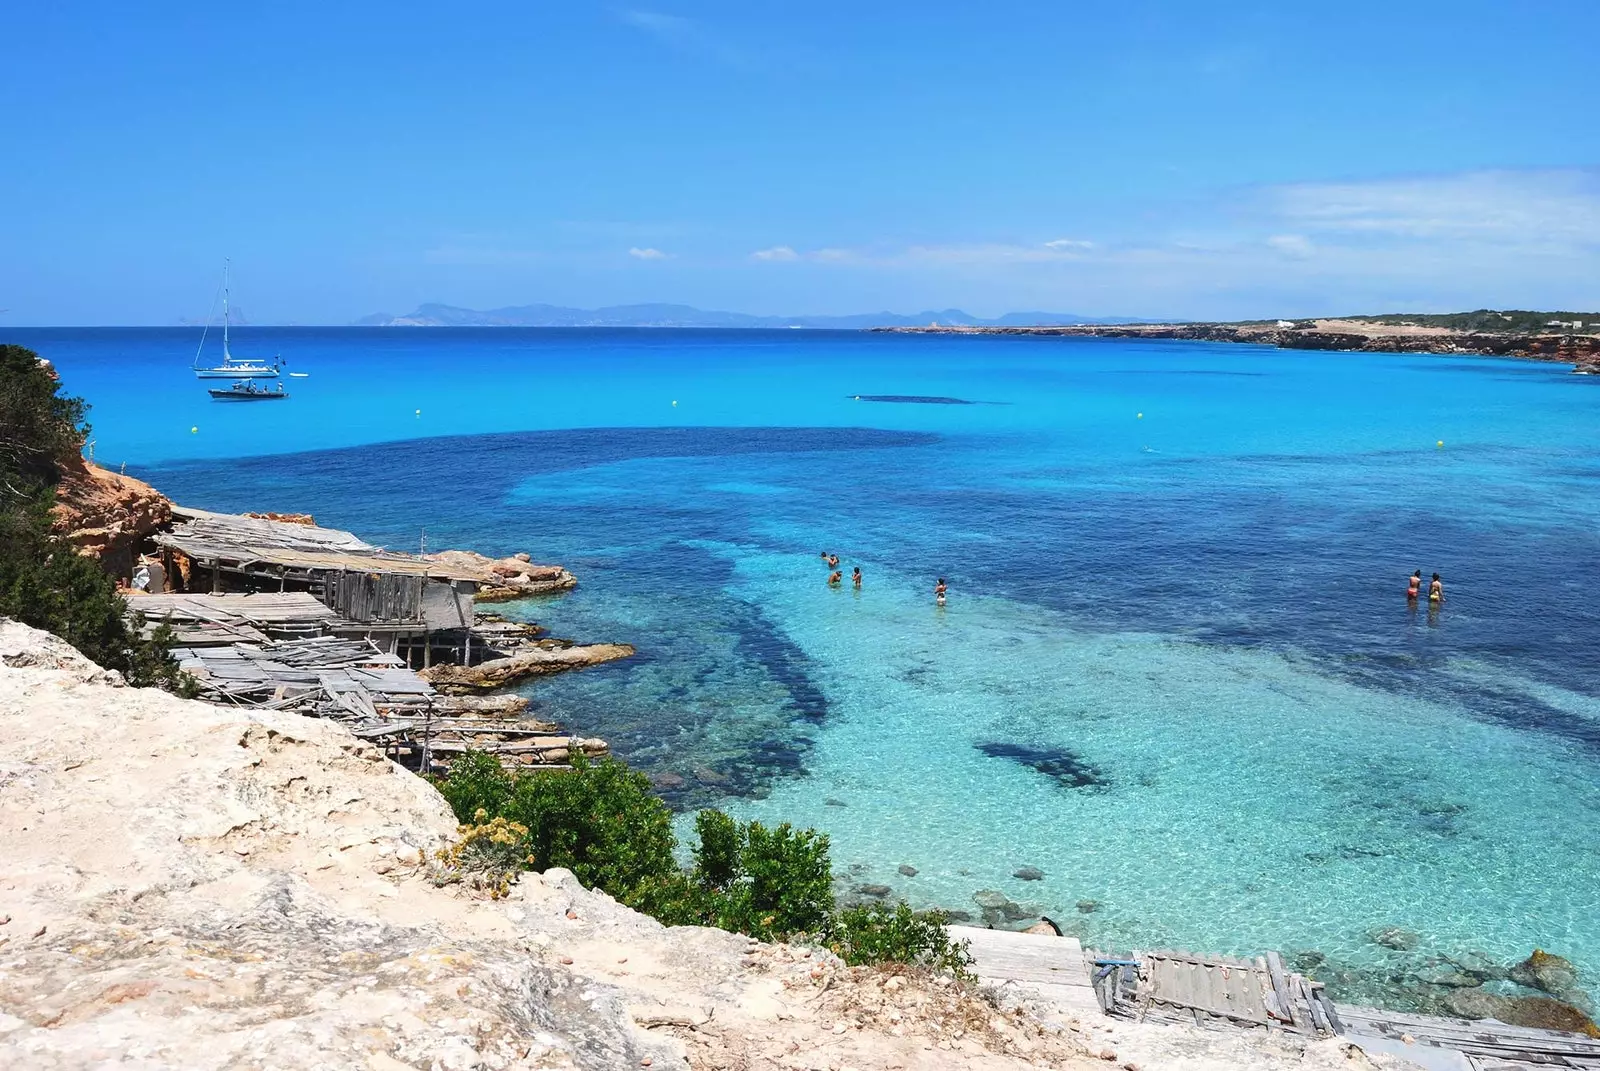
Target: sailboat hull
[{"x": 239, "y": 372}]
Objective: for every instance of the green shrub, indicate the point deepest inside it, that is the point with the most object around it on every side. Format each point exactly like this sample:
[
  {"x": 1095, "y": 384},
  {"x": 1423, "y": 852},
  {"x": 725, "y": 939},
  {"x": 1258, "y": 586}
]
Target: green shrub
[
  {"x": 600, "y": 821},
  {"x": 790, "y": 881},
  {"x": 477, "y": 782},
  {"x": 44, "y": 581},
  {"x": 880, "y": 933},
  {"x": 716, "y": 858}
]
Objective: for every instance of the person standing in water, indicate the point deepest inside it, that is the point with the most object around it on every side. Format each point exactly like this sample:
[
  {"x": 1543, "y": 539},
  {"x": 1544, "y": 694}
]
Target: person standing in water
[
  {"x": 938, "y": 592},
  {"x": 1414, "y": 585},
  {"x": 834, "y": 578},
  {"x": 1435, "y": 590},
  {"x": 855, "y": 577}
]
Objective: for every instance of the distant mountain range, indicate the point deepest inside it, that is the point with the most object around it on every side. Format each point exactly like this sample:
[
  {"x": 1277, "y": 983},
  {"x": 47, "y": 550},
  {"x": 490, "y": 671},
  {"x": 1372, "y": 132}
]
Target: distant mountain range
[{"x": 436, "y": 315}]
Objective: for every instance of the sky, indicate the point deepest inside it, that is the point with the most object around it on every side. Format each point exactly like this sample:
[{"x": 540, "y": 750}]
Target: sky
[{"x": 1132, "y": 158}]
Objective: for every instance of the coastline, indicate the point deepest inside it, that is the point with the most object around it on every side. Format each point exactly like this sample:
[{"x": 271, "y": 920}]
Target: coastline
[{"x": 1582, "y": 351}]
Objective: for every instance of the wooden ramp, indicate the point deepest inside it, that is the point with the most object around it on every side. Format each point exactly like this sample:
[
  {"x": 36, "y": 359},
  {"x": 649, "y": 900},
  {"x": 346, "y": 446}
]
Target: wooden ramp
[
  {"x": 1480, "y": 1044},
  {"x": 1170, "y": 986},
  {"x": 1054, "y": 967}
]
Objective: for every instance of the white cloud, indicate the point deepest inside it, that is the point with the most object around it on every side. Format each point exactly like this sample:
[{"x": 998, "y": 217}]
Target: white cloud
[
  {"x": 689, "y": 37},
  {"x": 648, "y": 253},
  {"x": 1292, "y": 245},
  {"x": 1522, "y": 239},
  {"x": 776, "y": 253},
  {"x": 1514, "y": 207}
]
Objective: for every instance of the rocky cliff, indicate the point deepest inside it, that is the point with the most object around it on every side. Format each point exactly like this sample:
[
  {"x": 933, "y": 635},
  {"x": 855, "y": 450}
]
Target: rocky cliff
[
  {"x": 190, "y": 886},
  {"x": 106, "y": 514}
]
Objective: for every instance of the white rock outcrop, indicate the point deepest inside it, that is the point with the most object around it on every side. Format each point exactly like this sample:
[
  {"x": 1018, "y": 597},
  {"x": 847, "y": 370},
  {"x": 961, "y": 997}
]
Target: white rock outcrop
[{"x": 190, "y": 886}]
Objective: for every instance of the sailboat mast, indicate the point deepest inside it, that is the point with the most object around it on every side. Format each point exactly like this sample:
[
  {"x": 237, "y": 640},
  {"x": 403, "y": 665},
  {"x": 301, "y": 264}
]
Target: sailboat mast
[{"x": 225, "y": 354}]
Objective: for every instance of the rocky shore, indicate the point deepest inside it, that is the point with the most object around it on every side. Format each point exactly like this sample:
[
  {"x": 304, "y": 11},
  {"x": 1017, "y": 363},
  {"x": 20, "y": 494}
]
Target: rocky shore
[
  {"x": 1582, "y": 351},
  {"x": 193, "y": 886}
]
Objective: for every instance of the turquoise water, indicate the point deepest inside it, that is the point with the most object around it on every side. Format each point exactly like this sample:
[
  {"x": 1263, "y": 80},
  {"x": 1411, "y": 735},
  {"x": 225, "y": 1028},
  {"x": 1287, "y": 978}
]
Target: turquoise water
[{"x": 1176, "y": 671}]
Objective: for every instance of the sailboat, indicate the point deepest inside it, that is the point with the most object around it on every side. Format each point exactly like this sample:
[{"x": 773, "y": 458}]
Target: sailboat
[{"x": 235, "y": 368}]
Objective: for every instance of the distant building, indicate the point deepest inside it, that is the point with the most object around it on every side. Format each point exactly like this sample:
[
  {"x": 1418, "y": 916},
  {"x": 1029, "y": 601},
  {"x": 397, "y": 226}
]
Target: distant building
[{"x": 1286, "y": 324}]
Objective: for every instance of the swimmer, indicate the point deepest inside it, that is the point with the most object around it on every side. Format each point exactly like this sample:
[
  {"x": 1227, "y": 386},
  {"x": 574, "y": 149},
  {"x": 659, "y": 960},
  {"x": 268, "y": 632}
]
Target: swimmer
[
  {"x": 823, "y": 555},
  {"x": 1414, "y": 585},
  {"x": 938, "y": 592},
  {"x": 835, "y": 577},
  {"x": 855, "y": 577},
  {"x": 1436, "y": 590},
  {"x": 833, "y": 561}
]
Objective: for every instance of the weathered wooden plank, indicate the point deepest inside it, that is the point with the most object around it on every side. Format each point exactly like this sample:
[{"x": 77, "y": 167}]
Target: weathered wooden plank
[{"x": 1280, "y": 988}]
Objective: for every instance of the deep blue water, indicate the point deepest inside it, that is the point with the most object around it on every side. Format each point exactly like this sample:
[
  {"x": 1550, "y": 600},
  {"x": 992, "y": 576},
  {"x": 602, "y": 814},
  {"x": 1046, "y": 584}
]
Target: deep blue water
[{"x": 1176, "y": 670}]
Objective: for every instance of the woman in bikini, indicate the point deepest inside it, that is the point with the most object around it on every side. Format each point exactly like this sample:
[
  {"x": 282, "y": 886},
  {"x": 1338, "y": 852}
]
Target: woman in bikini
[
  {"x": 1414, "y": 586},
  {"x": 1436, "y": 590},
  {"x": 938, "y": 592}
]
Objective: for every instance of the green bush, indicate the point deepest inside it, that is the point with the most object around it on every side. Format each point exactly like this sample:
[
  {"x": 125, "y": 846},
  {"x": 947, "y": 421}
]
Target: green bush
[
  {"x": 599, "y": 820},
  {"x": 477, "y": 782},
  {"x": 716, "y": 858},
  {"x": 881, "y": 933}
]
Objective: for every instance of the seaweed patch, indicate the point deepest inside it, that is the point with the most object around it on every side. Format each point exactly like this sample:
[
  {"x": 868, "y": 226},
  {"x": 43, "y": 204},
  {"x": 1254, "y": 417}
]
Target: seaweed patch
[{"x": 1068, "y": 768}]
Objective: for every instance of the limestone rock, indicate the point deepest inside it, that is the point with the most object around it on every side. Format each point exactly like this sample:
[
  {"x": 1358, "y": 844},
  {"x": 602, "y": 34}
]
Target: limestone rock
[
  {"x": 908, "y": 870},
  {"x": 507, "y": 578},
  {"x": 499, "y": 672},
  {"x": 1028, "y": 873}
]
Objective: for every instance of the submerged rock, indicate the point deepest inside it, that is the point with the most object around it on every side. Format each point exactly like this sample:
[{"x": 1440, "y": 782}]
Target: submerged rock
[
  {"x": 1088, "y": 907},
  {"x": 1308, "y": 959},
  {"x": 1477, "y": 965},
  {"x": 878, "y": 891},
  {"x": 1396, "y": 938},
  {"x": 990, "y": 899},
  {"x": 834, "y": 802},
  {"x": 955, "y": 916},
  {"x": 1551, "y": 974},
  {"x": 1541, "y": 1013},
  {"x": 908, "y": 870},
  {"x": 1066, "y": 767},
  {"x": 1028, "y": 873}
]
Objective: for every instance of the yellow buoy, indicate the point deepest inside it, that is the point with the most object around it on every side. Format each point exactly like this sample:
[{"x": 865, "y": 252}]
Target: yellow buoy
[
  {"x": 1141, "y": 416},
  {"x": 1440, "y": 443},
  {"x": 193, "y": 430},
  {"x": 674, "y": 403}
]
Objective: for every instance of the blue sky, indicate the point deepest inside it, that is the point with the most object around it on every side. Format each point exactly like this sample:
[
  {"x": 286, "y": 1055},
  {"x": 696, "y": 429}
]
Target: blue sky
[{"x": 1121, "y": 158}]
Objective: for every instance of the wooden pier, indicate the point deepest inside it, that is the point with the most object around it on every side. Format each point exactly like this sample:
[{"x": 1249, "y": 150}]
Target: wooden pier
[
  {"x": 1053, "y": 967},
  {"x": 1223, "y": 992}
]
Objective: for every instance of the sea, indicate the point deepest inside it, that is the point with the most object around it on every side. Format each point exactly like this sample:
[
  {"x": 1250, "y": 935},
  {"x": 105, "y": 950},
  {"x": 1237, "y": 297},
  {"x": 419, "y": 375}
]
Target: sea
[{"x": 1176, "y": 671}]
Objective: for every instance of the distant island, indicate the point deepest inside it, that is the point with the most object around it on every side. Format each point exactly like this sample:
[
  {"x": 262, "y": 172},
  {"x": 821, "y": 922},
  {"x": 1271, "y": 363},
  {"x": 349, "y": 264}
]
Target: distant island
[
  {"x": 1540, "y": 336},
  {"x": 656, "y": 315}
]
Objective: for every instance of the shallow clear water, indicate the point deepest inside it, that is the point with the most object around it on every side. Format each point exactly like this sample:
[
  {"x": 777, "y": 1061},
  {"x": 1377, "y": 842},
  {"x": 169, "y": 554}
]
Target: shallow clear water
[{"x": 1176, "y": 671}]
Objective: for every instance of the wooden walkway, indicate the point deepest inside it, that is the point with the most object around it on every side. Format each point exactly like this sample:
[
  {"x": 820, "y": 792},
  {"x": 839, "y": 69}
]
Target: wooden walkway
[
  {"x": 1465, "y": 1044},
  {"x": 1053, "y": 966},
  {"x": 1171, "y": 986}
]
